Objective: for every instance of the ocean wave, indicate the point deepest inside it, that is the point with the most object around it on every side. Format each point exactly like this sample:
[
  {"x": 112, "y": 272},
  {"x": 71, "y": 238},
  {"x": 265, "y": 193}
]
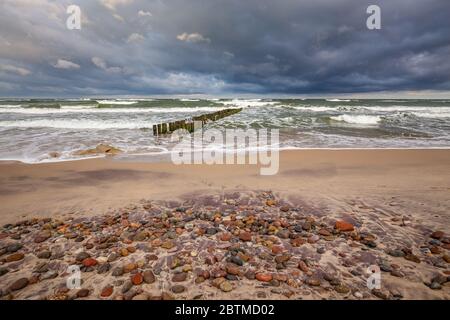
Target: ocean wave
[
  {"x": 77, "y": 124},
  {"x": 357, "y": 119},
  {"x": 434, "y": 115},
  {"x": 70, "y": 109},
  {"x": 338, "y": 100}
]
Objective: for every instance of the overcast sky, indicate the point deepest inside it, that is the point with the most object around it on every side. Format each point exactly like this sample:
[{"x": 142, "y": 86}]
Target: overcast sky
[{"x": 224, "y": 47}]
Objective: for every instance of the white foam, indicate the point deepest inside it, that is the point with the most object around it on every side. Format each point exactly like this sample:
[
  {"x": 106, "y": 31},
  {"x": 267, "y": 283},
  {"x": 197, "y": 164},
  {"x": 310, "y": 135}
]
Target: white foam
[
  {"x": 338, "y": 100},
  {"x": 242, "y": 103},
  {"x": 434, "y": 115},
  {"x": 119, "y": 102},
  {"x": 357, "y": 119},
  {"x": 77, "y": 124}
]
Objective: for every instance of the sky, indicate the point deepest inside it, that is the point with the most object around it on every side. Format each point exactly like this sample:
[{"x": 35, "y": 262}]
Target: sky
[{"x": 224, "y": 47}]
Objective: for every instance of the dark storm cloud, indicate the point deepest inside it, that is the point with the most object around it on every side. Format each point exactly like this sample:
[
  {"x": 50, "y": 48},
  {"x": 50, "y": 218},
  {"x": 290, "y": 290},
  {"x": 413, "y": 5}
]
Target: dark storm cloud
[{"x": 134, "y": 47}]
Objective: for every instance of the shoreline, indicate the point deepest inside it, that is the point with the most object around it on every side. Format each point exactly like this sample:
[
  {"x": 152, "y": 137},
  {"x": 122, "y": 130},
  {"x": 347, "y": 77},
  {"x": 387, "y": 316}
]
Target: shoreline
[{"x": 395, "y": 200}]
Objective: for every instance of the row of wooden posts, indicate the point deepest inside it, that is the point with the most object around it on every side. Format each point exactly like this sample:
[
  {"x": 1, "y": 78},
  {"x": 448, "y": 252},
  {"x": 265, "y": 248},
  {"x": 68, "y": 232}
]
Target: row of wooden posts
[{"x": 191, "y": 124}]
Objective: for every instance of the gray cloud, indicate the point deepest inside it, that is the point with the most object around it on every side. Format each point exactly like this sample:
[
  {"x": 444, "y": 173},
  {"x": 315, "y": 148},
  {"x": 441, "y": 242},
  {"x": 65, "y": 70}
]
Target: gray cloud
[{"x": 139, "y": 47}]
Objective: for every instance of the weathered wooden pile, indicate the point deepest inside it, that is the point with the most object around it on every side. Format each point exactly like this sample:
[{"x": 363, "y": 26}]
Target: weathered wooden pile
[{"x": 193, "y": 123}]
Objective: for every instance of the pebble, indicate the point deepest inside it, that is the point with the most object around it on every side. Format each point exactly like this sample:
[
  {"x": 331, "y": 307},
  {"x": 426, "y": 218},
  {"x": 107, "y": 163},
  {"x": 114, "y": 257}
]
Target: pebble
[
  {"x": 178, "y": 289},
  {"x": 226, "y": 286},
  {"x": 149, "y": 277},
  {"x": 15, "y": 257},
  {"x": 179, "y": 277},
  {"x": 44, "y": 254},
  {"x": 245, "y": 236},
  {"x": 83, "y": 293},
  {"x": 137, "y": 279},
  {"x": 14, "y": 247},
  {"x": 438, "y": 235},
  {"x": 107, "y": 291},
  {"x": 117, "y": 271},
  {"x": 344, "y": 226}
]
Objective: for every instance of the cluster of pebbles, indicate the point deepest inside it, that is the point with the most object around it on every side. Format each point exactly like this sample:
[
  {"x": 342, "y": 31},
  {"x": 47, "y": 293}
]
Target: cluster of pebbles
[{"x": 243, "y": 246}]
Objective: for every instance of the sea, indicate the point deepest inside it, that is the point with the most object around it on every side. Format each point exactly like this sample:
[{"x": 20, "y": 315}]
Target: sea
[{"x": 49, "y": 130}]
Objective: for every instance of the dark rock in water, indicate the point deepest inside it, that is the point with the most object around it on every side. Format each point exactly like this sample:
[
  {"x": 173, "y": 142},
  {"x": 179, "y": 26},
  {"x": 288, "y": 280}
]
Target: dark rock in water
[
  {"x": 14, "y": 247},
  {"x": 19, "y": 284}
]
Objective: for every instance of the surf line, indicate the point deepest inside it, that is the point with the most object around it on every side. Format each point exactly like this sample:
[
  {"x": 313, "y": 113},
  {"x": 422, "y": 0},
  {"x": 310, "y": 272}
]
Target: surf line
[{"x": 193, "y": 124}]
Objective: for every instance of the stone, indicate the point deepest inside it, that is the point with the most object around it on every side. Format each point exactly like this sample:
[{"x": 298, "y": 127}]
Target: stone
[
  {"x": 82, "y": 256},
  {"x": 103, "y": 268},
  {"x": 236, "y": 260},
  {"x": 282, "y": 258},
  {"x": 264, "y": 277},
  {"x": 413, "y": 258},
  {"x": 232, "y": 269},
  {"x": 245, "y": 236},
  {"x": 283, "y": 234},
  {"x": 306, "y": 226},
  {"x": 225, "y": 236},
  {"x": 15, "y": 257},
  {"x": 89, "y": 262},
  {"x": 127, "y": 268},
  {"x": 14, "y": 247},
  {"x": 178, "y": 289},
  {"x": 313, "y": 281},
  {"x": 141, "y": 236},
  {"x": 42, "y": 236},
  {"x": 19, "y": 284},
  {"x": 44, "y": 254},
  {"x": 168, "y": 244},
  {"x": 107, "y": 291},
  {"x": 149, "y": 277},
  {"x": 126, "y": 286},
  {"x": 380, "y": 294},
  {"x": 302, "y": 266},
  {"x": 3, "y": 271},
  {"x": 250, "y": 275},
  {"x": 179, "y": 277},
  {"x": 83, "y": 293},
  {"x": 343, "y": 289},
  {"x": 117, "y": 271},
  {"x": 344, "y": 226},
  {"x": 226, "y": 286},
  {"x": 137, "y": 279},
  {"x": 324, "y": 232}
]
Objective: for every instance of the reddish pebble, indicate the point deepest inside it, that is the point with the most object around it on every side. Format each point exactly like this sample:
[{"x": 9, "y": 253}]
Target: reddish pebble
[
  {"x": 264, "y": 277},
  {"x": 89, "y": 262},
  {"x": 245, "y": 236},
  {"x": 344, "y": 226}
]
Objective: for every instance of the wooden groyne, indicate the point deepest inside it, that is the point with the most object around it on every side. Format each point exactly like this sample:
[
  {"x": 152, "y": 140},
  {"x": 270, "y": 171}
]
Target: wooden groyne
[{"x": 192, "y": 123}]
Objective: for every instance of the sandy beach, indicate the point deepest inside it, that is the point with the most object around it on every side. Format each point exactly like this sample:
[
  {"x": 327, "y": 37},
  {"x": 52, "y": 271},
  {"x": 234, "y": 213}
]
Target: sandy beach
[{"x": 142, "y": 230}]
